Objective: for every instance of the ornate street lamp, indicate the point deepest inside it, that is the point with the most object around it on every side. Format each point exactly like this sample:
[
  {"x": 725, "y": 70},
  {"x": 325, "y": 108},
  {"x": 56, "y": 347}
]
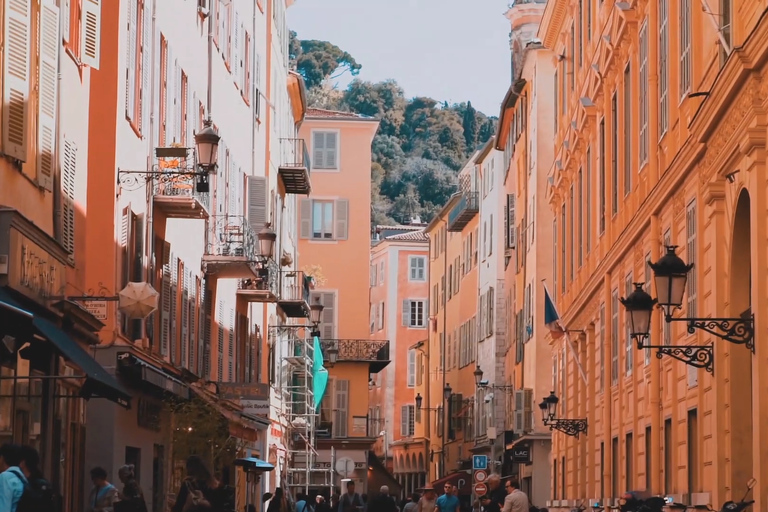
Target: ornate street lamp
[
  {"x": 315, "y": 313},
  {"x": 267, "y": 238},
  {"x": 571, "y": 427},
  {"x": 207, "y": 145},
  {"x": 419, "y": 400},
  {"x": 333, "y": 355},
  {"x": 447, "y": 392},
  {"x": 478, "y": 373}
]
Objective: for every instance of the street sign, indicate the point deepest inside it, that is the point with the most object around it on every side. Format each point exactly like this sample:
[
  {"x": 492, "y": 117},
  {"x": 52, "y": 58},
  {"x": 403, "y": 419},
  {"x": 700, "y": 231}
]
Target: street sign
[
  {"x": 480, "y": 476},
  {"x": 480, "y": 489},
  {"x": 479, "y": 462}
]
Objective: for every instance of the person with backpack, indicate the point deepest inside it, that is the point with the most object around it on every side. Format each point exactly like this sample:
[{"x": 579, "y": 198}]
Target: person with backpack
[
  {"x": 104, "y": 494},
  {"x": 132, "y": 497},
  {"x": 38, "y": 494},
  {"x": 199, "y": 488},
  {"x": 11, "y": 486}
]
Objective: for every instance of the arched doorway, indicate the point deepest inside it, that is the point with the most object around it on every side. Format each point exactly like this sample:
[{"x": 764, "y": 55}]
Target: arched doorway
[{"x": 740, "y": 359}]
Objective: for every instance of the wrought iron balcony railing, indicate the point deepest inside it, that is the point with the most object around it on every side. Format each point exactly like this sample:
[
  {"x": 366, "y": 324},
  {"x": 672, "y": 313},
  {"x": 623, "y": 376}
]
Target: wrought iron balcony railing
[
  {"x": 374, "y": 352},
  {"x": 231, "y": 236},
  {"x": 180, "y": 186},
  {"x": 467, "y": 207},
  {"x": 295, "y": 166}
]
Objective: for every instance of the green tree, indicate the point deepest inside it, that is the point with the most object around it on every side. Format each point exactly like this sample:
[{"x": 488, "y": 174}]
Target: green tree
[
  {"x": 469, "y": 124},
  {"x": 318, "y": 60}
]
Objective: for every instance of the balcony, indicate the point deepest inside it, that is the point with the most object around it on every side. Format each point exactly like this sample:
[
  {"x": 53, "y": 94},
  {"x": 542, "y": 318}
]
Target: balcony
[
  {"x": 294, "y": 166},
  {"x": 177, "y": 191},
  {"x": 373, "y": 352},
  {"x": 288, "y": 288},
  {"x": 464, "y": 211},
  {"x": 230, "y": 250}
]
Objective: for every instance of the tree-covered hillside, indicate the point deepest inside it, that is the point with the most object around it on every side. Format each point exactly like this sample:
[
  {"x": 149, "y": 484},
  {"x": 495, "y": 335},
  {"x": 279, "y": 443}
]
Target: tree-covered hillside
[{"x": 421, "y": 143}]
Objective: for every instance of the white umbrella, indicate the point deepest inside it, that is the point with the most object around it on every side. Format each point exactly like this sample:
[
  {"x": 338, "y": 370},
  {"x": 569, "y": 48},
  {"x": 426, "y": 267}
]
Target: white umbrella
[{"x": 138, "y": 300}]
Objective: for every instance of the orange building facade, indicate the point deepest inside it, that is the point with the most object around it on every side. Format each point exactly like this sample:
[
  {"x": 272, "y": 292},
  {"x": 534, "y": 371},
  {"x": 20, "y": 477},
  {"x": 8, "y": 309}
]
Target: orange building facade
[
  {"x": 662, "y": 103},
  {"x": 333, "y": 231},
  {"x": 400, "y": 313}
]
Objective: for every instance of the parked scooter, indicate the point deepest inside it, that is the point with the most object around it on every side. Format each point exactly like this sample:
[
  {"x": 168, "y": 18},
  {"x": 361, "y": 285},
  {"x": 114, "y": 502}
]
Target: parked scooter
[
  {"x": 733, "y": 506},
  {"x": 641, "y": 501}
]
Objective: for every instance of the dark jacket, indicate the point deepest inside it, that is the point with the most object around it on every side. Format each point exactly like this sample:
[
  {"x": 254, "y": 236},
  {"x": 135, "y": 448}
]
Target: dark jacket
[{"x": 382, "y": 503}]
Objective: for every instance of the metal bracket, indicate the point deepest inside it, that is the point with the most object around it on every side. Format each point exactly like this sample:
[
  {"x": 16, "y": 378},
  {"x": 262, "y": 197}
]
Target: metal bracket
[
  {"x": 91, "y": 295},
  {"x": 740, "y": 331},
  {"x": 569, "y": 427},
  {"x": 698, "y": 356}
]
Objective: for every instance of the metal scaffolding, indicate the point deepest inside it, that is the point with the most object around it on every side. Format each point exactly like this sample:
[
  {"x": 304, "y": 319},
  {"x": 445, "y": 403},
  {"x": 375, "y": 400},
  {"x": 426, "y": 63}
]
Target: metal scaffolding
[{"x": 301, "y": 418}]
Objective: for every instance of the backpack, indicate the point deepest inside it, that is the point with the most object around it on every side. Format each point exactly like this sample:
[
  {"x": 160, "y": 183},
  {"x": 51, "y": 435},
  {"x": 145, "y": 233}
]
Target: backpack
[{"x": 38, "y": 496}]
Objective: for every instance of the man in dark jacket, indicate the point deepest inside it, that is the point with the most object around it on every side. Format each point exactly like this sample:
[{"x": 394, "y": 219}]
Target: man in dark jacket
[{"x": 383, "y": 502}]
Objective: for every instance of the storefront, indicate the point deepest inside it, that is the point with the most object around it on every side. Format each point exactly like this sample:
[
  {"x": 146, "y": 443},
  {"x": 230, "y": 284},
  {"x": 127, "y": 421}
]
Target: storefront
[{"x": 46, "y": 373}]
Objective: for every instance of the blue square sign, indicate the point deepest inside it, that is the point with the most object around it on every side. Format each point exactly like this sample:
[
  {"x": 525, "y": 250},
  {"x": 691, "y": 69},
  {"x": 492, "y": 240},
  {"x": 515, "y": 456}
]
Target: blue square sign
[{"x": 479, "y": 462}]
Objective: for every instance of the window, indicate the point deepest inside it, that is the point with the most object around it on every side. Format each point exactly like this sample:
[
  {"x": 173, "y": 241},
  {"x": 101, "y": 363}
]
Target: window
[
  {"x": 138, "y": 65},
  {"x": 573, "y": 56},
  {"x": 163, "y": 89},
  {"x": 411, "y": 368},
  {"x": 668, "y": 456},
  {"x": 572, "y": 247},
  {"x": 372, "y": 279},
  {"x": 587, "y": 204},
  {"x": 90, "y": 32},
  {"x": 562, "y": 249},
  {"x": 690, "y": 252},
  {"x": 602, "y": 469},
  {"x": 417, "y": 265},
  {"x": 614, "y": 337},
  {"x": 324, "y": 219},
  {"x": 602, "y": 176},
  {"x": 414, "y": 313},
  {"x": 589, "y": 20},
  {"x": 693, "y": 451},
  {"x": 663, "y": 67},
  {"x": 648, "y": 458},
  {"x": 557, "y": 97},
  {"x": 726, "y": 18},
  {"x": 667, "y": 331},
  {"x": 67, "y": 194},
  {"x": 245, "y": 89},
  {"x": 615, "y": 467},
  {"x": 686, "y": 60},
  {"x": 602, "y": 346},
  {"x": 629, "y": 466},
  {"x": 325, "y": 149},
  {"x": 340, "y": 408},
  {"x": 643, "y": 94},
  {"x": 627, "y": 108},
  {"x": 554, "y": 478},
  {"x": 614, "y": 154},
  {"x": 490, "y": 235},
  {"x": 407, "y": 418},
  {"x": 581, "y": 32},
  {"x": 381, "y": 316},
  {"x": 629, "y": 350},
  {"x": 373, "y": 311},
  {"x": 554, "y": 255},
  {"x": 562, "y": 477},
  {"x": 381, "y": 273},
  {"x": 580, "y": 219},
  {"x": 563, "y": 87}
]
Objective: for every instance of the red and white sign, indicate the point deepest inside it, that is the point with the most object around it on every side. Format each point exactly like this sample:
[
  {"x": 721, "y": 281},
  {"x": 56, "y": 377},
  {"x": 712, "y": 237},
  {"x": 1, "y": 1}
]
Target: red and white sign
[
  {"x": 480, "y": 476},
  {"x": 480, "y": 489}
]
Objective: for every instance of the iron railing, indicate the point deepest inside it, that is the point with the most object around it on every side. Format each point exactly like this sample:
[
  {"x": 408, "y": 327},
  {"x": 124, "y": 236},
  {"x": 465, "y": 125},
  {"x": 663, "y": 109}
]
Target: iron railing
[
  {"x": 231, "y": 236},
  {"x": 357, "y": 350},
  {"x": 286, "y": 285},
  {"x": 180, "y": 185},
  {"x": 294, "y": 153},
  {"x": 469, "y": 203}
]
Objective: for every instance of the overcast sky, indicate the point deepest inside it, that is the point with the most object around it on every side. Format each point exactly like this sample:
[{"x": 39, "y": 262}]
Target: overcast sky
[{"x": 452, "y": 50}]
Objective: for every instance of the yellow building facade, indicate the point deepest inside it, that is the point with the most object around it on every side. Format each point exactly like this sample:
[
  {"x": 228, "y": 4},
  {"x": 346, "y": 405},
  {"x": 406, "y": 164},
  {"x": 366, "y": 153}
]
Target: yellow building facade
[{"x": 662, "y": 103}]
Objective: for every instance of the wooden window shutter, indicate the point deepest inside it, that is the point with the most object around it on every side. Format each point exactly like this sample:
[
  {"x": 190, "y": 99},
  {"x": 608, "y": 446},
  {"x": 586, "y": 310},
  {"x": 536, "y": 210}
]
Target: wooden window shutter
[
  {"x": 404, "y": 420},
  {"x": 232, "y": 187},
  {"x": 68, "y": 179},
  {"x": 305, "y": 218},
  {"x": 165, "y": 314},
  {"x": 406, "y": 313},
  {"x": 145, "y": 106},
  {"x": 257, "y": 202},
  {"x": 231, "y": 347},
  {"x": 220, "y": 344},
  {"x": 65, "y": 17},
  {"x": 194, "y": 283},
  {"x": 329, "y": 315},
  {"x": 48, "y": 86},
  {"x": 184, "y": 318},
  {"x": 342, "y": 219},
  {"x": 318, "y": 150},
  {"x": 16, "y": 82},
  {"x": 130, "y": 82},
  {"x": 174, "y": 339},
  {"x": 331, "y": 158},
  {"x": 236, "y": 47},
  {"x": 90, "y": 51},
  {"x": 170, "y": 93},
  {"x": 341, "y": 408},
  {"x": 206, "y": 326},
  {"x": 177, "y": 126}
]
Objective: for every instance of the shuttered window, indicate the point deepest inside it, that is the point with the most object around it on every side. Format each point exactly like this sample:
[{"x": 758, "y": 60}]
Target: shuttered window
[
  {"x": 690, "y": 252},
  {"x": 234, "y": 189},
  {"x": 629, "y": 351},
  {"x": 68, "y": 180},
  {"x": 48, "y": 87},
  {"x": 90, "y": 48},
  {"x": 138, "y": 62},
  {"x": 16, "y": 79},
  {"x": 414, "y": 313},
  {"x": 614, "y": 337},
  {"x": 257, "y": 202},
  {"x": 324, "y": 219},
  {"x": 163, "y": 96},
  {"x": 220, "y": 344},
  {"x": 411, "y": 368},
  {"x": 328, "y": 317},
  {"x": 341, "y": 408},
  {"x": 417, "y": 268},
  {"x": 407, "y": 418},
  {"x": 325, "y": 146}
]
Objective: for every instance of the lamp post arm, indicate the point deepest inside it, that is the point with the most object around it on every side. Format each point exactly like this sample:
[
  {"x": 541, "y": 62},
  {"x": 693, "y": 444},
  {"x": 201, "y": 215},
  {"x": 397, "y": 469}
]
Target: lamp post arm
[{"x": 740, "y": 331}]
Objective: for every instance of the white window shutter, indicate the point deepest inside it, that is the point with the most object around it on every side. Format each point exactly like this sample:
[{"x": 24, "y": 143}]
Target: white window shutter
[
  {"x": 404, "y": 420},
  {"x": 305, "y": 218},
  {"x": 407, "y": 313},
  {"x": 172, "y": 316},
  {"x": 90, "y": 51},
  {"x": 48, "y": 87},
  {"x": 236, "y": 46},
  {"x": 184, "y": 318},
  {"x": 65, "y": 19},
  {"x": 318, "y": 150},
  {"x": 170, "y": 93},
  {"x": 232, "y": 187},
  {"x": 165, "y": 314},
  {"x": 342, "y": 219},
  {"x": 68, "y": 178},
  {"x": 257, "y": 202},
  {"x": 341, "y": 408},
  {"x": 130, "y": 61},
  {"x": 177, "y": 125},
  {"x": 329, "y": 315},
  {"x": 146, "y": 67},
  {"x": 331, "y": 158},
  {"x": 16, "y": 83},
  {"x": 192, "y": 115}
]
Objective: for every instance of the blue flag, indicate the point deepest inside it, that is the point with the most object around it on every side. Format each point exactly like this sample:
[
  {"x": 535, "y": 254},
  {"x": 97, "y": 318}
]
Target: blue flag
[{"x": 319, "y": 375}]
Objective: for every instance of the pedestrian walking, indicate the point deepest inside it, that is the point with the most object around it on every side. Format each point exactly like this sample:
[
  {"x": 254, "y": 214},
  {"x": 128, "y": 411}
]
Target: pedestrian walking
[
  {"x": 103, "y": 494},
  {"x": 198, "y": 488},
  {"x": 278, "y": 503},
  {"x": 516, "y": 500},
  {"x": 11, "y": 487},
  {"x": 131, "y": 497}
]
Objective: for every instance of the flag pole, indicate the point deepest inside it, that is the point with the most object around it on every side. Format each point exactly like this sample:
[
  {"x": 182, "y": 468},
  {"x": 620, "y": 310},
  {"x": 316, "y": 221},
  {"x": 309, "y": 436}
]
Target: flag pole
[{"x": 572, "y": 350}]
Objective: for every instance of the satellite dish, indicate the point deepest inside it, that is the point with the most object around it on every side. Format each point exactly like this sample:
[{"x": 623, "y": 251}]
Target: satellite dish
[{"x": 345, "y": 467}]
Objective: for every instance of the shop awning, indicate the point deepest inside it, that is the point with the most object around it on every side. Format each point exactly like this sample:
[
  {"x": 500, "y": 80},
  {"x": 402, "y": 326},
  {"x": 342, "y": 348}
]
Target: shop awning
[
  {"x": 98, "y": 382},
  {"x": 234, "y": 416},
  {"x": 153, "y": 375},
  {"x": 14, "y": 319},
  {"x": 460, "y": 479},
  {"x": 254, "y": 464}
]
